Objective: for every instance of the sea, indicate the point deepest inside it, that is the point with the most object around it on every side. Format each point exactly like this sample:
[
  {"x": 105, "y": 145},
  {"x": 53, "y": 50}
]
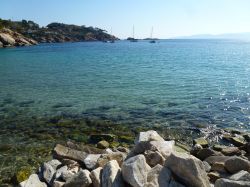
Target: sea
[{"x": 182, "y": 84}]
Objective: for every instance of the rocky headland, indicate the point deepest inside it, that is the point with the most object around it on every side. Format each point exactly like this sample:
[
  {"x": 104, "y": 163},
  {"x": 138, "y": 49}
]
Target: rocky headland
[
  {"x": 24, "y": 33},
  {"x": 151, "y": 162}
]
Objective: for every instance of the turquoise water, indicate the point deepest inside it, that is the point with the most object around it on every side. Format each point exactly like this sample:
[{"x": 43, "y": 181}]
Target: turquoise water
[{"x": 177, "y": 83}]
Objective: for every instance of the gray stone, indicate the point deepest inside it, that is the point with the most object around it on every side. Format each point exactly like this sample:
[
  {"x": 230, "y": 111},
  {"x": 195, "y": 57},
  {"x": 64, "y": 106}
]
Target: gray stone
[
  {"x": 111, "y": 175},
  {"x": 158, "y": 176},
  {"x": 66, "y": 175},
  {"x": 58, "y": 184},
  {"x": 60, "y": 171},
  {"x": 189, "y": 170},
  {"x": 48, "y": 173},
  {"x": 62, "y": 152},
  {"x": 236, "y": 164},
  {"x": 163, "y": 147},
  {"x": 212, "y": 159},
  {"x": 230, "y": 151},
  {"x": 206, "y": 166},
  {"x": 153, "y": 158},
  {"x": 213, "y": 176},
  {"x": 148, "y": 136},
  {"x": 33, "y": 181},
  {"x": 218, "y": 166},
  {"x": 1, "y": 44},
  {"x": 96, "y": 176},
  {"x": 231, "y": 183},
  {"x": 118, "y": 156},
  {"x": 207, "y": 152},
  {"x": 241, "y": 176},
  {"x": 81, "y": 179},
  {"x": 134, "y": 171},
  {"x": 54, "y": 163},
  {"x": 91, "y": 160}
]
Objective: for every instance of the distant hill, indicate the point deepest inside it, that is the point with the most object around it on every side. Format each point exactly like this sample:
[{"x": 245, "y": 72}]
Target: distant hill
[
  {"x": 240, "y": 36},
  {"x": 56, "y": 32}
]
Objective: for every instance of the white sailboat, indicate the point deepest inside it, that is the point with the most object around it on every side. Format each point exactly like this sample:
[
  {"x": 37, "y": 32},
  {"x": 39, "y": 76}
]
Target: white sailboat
[
  {"x": 151, "y": 36},
  {"x": 133, "y": 38}
]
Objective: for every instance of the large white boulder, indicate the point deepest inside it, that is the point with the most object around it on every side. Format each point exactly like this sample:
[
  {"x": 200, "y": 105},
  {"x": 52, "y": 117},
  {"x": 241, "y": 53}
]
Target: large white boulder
[
  {"x": 188, "y": 169},
  {"x": 81, "y": 179},
  {"x": 111, "y": 175},
  {"x": 148, "y": 136},
  {"x": 134, "y": 171}
]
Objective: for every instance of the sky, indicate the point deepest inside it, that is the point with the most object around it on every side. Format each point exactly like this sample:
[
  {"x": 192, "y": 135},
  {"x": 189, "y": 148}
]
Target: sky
[{"x": 169, "y": 18}]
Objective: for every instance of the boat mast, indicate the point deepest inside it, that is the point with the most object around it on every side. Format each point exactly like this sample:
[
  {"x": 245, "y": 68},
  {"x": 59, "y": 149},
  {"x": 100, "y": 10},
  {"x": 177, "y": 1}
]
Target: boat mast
[
  {"x": 151, "y": 35},
  {"x": 133, "y": 31}
]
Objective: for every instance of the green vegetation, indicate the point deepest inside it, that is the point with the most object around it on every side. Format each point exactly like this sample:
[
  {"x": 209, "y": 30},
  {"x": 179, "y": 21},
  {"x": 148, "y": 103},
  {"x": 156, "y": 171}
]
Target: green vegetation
[{"x": 56, "y": 32}]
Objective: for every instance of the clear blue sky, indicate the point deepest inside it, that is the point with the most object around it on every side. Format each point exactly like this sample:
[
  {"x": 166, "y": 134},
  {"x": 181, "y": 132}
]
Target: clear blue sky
[{"x": 169, "y": 18}]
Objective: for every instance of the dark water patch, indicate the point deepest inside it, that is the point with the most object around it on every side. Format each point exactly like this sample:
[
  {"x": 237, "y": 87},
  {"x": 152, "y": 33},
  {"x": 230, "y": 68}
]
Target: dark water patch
[
  {"x": 25, "y": 103},
  {"x": 149, "y": 101},
  {"x": 62, "y": 105}
]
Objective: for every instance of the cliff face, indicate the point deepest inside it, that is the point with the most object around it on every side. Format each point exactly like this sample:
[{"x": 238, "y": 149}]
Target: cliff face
[
  {"x": 9, "y": 38},
  {"x": 22, "y": 31}
]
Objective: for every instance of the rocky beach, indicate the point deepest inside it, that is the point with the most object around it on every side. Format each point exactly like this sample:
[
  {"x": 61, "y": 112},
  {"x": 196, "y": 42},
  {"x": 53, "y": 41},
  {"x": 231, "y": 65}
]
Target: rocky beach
[{"x": 150, "y": 162}]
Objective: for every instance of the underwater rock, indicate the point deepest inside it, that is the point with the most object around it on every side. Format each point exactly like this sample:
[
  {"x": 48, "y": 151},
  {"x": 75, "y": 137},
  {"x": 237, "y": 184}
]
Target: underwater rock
[{"x": 95, "y": 138}]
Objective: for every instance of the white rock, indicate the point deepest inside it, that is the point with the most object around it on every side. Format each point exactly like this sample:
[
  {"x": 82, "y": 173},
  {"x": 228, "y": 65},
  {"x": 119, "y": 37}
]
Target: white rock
[
  {"x": 54, "y": 163},
  {"x": 48, "y": 173},
  {"x": 148, "y": 136},
  {"x": 231, "y": 183},
  {"x": 189, "y": 170},
  {"x": 241, "y": 176},
  {"x": 33, "y": 181},
  {"x": 81, "y": 179},
  {"x": 134, "y": 171},
  {"x": 158, "y": 176},
  {"x": 60, "y": 171},
  {"x": 111, "y": 175},
  {"x": 91, "y": 160},
  {"x": 66, "y": 175},
  {"x": 96, "y": 176}
]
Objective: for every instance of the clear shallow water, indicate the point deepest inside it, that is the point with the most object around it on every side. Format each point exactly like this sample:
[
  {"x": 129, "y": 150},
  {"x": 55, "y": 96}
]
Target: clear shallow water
[{"x": 173, "y": 83}]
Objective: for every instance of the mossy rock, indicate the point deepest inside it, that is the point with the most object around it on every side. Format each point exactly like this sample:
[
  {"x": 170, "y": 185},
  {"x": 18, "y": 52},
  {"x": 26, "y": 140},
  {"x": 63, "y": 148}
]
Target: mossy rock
[
  {"x": 22, "y": 175},
  {"x": 5, "y": 147},
  {"x": 79, "y": 137},
  {"x": 127, "y": 139},
  {"x": 201, "y": 141},
  {"x": 95, "y": 138},
  {"x": 114, "y": 144}
]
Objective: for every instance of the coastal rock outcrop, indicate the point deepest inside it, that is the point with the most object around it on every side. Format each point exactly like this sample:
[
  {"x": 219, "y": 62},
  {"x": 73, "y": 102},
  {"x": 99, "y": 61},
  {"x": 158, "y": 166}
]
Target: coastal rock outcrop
[
  {"x": 151, "y": 163},
  {"x": 9, "y": 38}
]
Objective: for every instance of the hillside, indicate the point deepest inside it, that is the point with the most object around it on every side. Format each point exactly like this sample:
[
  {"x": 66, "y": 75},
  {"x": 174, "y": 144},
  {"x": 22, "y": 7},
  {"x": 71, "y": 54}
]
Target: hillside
[{"x": 52, "y": 33}]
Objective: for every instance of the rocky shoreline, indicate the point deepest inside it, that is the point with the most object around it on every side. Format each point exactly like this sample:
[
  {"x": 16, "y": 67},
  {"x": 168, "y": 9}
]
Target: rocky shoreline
[
  {"x": 151, "y": 162},
  {"x": 9, "y": 38}
]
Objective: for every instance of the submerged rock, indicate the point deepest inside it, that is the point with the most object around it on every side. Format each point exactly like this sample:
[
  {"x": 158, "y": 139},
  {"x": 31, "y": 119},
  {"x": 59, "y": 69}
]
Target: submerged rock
[
  {"x": 201, "y": 141},
  {"x": 111, "y": 175},
  {"x": 188, "y": 169},
  {"x": 134, "y": 171}
]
